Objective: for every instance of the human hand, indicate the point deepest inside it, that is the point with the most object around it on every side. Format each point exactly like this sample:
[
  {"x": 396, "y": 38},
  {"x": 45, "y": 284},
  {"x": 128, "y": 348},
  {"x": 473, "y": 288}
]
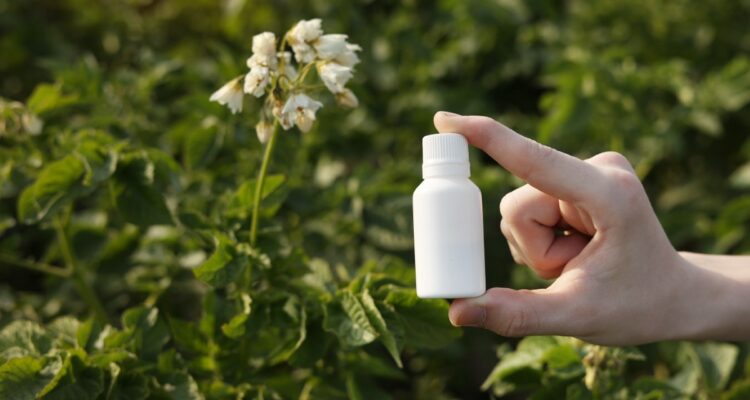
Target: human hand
[{"x": 618, "y": 280}]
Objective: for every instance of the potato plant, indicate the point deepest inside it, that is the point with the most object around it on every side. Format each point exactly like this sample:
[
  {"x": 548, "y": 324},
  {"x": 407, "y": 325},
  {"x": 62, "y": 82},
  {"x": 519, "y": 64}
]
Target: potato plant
[{"x": 157, "y": 244}]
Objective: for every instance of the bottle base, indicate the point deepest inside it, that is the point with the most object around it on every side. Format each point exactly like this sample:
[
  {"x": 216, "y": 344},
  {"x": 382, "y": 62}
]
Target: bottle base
[{"x": 450, "y": 295}]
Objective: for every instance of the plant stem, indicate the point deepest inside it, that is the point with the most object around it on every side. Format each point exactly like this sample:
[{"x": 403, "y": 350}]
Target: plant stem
[
  {"x": 35, "y": 266},
  {"x": 303, "y": 74},
  {"x": 259, "y": 183},
  {"x": 86, "y": 292}
]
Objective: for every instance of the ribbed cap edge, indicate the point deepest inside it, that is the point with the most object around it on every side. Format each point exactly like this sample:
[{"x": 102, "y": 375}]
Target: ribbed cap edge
[{"x": 444, "y": 148}]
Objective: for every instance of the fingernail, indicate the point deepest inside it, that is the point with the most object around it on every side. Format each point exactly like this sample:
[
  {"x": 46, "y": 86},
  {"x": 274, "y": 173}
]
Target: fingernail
[
  {"x": 448, "y": 114},
  {"x": 470, "y": 315}
]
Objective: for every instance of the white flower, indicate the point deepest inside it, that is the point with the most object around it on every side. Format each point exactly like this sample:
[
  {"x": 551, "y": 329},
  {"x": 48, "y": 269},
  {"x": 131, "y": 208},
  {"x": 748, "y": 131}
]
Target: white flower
[
  {"x": 265, "y": 44},
  {"x": 300, "y": 37},
  {"x": 301, "y": 108},
  {"x": 285, "y": 120},
  {"x": 261, "y": 61},
  {"x": 230, "y": 95},
  {"x": 303, "y": 53},
  {"x": 263, "y": 129},
  {"x": 334, "y": 76},
  {"x": 346, "y": 98},
  {"x": 32, "y": 123},
  {"x": 264, "y": 51},
  {"x": 348, "y": 57},
  {"x": 330, "y": 46},
  {"x": 256, "y": 80},
  {"x": 306, "y": 30}
]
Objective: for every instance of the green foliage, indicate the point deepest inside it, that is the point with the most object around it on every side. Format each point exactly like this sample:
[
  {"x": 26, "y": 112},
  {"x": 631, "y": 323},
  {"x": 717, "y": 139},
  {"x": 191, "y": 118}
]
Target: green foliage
[
  {"x": 123, "y": 188},
  {"x": 47, "y": 98},
  {"x": 55, "y": 184},
  {"x": 544, "y": 367},
  {"x": 24, "y": 378}
]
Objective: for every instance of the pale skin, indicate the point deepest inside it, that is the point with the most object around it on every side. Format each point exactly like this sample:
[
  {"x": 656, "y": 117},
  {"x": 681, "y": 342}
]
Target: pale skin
[{"x": 617, "y": 278}]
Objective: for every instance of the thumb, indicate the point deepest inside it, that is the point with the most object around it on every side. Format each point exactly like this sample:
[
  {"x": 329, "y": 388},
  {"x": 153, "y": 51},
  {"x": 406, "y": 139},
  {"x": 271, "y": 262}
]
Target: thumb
[{"x": 509, "y": 312}]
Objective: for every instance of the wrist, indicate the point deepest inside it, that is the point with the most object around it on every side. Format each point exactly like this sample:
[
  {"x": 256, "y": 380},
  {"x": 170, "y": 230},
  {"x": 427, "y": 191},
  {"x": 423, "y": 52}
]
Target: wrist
[{"x": 714, "y": 300}]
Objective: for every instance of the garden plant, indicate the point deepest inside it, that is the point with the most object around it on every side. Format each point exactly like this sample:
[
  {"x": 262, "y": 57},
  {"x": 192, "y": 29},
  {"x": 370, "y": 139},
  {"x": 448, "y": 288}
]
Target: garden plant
[{"x": 212, "y": 200}]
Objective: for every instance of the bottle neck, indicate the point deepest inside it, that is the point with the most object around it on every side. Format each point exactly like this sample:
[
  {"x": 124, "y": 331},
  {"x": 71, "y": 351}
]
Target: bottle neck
[{"x": 445, "y": 170}]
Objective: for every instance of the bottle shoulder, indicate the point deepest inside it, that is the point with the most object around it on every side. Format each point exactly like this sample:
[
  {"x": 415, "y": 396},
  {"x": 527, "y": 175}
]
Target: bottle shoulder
[{"x": 451, "y": 184}]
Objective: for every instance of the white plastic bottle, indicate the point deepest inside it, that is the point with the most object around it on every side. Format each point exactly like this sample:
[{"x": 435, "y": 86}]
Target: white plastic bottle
[{"x": 448, "y": 233}]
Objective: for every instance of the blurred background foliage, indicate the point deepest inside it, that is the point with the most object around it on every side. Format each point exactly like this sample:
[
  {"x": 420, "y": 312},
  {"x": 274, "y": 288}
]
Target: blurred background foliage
[{"x": 667, "y": 83}]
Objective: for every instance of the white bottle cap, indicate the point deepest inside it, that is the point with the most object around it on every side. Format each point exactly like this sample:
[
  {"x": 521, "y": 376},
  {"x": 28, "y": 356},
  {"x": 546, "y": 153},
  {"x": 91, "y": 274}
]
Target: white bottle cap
[{"x": 445, "y": 154}]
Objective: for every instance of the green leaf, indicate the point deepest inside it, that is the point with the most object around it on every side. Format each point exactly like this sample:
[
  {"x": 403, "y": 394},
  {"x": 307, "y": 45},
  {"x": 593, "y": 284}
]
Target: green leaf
[
  {"x": 57, "y": 184},
  {"x": 313, "y": 348},
  {"x": 652, "y": 388},
  {"x": 374, "y": 365},
  {"x": 201, "y": 146},
  {"x": 87, "y": 333},
  {"x": 523, "y": 366},
  {"x": 224, "y": 266},
  {"x": 142, "y": 205},
  {"x": 46, "y": 98},
  {"x": 187, "y": 336},
  {"x": 298, "y": 313},
  {"x": 207, "y": 323},
  {"x": 564, "y": 362},
  {"x": 24, "y": 338},
  {"x": 129, "y": 386},
  {"x": 166, "y": 169},
  {"x": 579, "y": 392},
  {"x": 180, "y": 386},
  {"x": 6, "y": 222},
  {"x": 377, "y": 321},
  {"x": 79, "y": 382},
  {"x": 149, "y": 333},
  {"x": 23, "y": 378},
  {"x": 346, "y": 318},
  {"x": 389, "y": 226},
  {"x": 425, "y": 321},
  {"x": 104, "y": 358},
  {"x": 99, "y": 162},
  {"x": 235, "y": 328},
  {"x": 360, "y": 387},
  {"x": 135, "y": 196},
  {"x": 275, "y": 328},
  {"x": 241, "y": 203},
  {"x": 717, "y": 361},
  {"x": 740, "y": 178},
  {"x": 740, "y": 390},
  {"x": 728, "y": 88},
  {"x": 707, "y": 122},
  {"x": 64, "y": 329}
]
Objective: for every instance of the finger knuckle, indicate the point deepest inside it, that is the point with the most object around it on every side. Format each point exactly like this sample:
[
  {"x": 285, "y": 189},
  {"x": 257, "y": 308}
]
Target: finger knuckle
[
  {"x": 505, "y": 229},
  {"x": 485, "y": 122},
  {"x": 508, "y": 205},
  {"x": 612, "y": 158},
  {"x": 626, "y": 199},
  {"x": 625, "y": 188}
]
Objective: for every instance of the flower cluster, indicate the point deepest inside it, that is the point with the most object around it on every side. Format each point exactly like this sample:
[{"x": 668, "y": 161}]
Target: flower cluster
[{"x": 272, "y": 73}]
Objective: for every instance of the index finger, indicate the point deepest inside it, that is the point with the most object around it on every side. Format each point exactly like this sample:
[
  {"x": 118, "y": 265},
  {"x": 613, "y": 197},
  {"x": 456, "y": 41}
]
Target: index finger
[{"x": 553, "y": 172}]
